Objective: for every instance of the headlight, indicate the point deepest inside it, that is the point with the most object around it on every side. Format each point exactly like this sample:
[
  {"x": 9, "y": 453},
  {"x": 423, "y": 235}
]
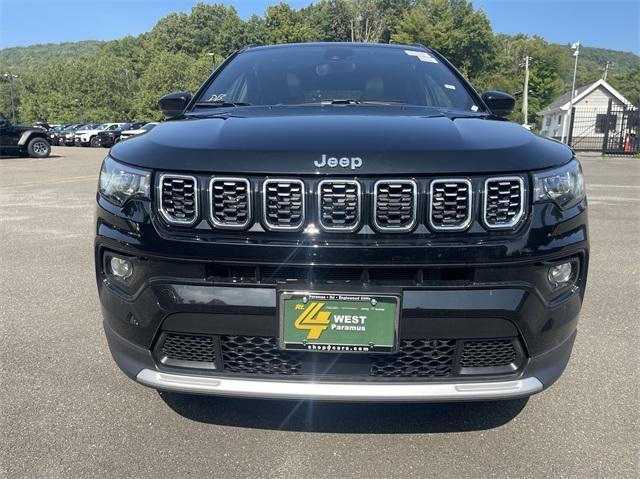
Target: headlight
[
  {"x": 564, "y": 186},
  {"x": 119, "y": 182}
]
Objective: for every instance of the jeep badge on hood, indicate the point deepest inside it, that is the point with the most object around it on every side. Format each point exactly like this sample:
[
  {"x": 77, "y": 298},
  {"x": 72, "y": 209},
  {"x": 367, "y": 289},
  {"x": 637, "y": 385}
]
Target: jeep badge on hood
[{"x": 344, "y": 162}]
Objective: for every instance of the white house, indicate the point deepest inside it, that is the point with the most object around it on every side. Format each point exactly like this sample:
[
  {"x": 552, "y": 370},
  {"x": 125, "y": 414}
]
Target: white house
[{"x": 590, "y": 103}]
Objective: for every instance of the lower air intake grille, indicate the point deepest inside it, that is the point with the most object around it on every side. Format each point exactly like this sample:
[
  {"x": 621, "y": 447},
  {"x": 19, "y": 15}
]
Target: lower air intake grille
[
  {"x": 230, "y": 202},
  {"x": 182, "y": 347},
  {"x": 283, "y": 204},
  {"x": 256, "y": 355},
  {"x": 450, "y": 204},
  {"x": 395, "y": 205},
  {"x": 178, "y": 199},
  {"x": 487, "y": 354},
  {"x": 339, "y": 204},
  {"x": 417, "y": 358},
  {"x": 503, "y": 205}
]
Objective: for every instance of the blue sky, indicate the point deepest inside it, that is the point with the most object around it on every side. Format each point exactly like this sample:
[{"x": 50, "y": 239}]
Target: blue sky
[{"x": 599, "y": 23}]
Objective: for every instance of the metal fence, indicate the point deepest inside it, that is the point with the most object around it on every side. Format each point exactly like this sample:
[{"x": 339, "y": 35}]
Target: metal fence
[{"x": 612, "y": 130}]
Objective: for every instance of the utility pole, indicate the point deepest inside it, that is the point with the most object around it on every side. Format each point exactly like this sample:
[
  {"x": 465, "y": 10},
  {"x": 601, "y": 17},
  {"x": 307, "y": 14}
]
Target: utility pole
[
  {"x": 10, "y": 77},
  {"x": 607, "y": 67},
  {"x": 576, "y": 53},
  {"x": 213, "y": 61},
  {"x": 525, "y": 92}
]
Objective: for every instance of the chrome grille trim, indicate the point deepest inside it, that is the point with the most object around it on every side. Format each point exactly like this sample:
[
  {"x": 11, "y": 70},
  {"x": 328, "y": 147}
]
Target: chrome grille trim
[
  {"x": 518, "y": 216},
  {"x": 222, "y": 224},
  {"x": 414, "y": 206},
  {"x": 458, "y": 227},
  {"x": 166, "y": 215},
  {"x": 358, "y": 211},
  {"x": 279, "y": 227}
]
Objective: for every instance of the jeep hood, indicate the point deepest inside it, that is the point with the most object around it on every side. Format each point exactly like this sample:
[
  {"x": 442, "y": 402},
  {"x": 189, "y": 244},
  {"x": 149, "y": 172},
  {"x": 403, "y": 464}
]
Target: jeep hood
[{"x": 389, "y": 140}]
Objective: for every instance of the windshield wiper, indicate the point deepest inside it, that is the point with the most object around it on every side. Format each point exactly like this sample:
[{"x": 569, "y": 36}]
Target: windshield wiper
[
  {"x": 219, "y": 103},
  {"x": 351, "y": 101}
]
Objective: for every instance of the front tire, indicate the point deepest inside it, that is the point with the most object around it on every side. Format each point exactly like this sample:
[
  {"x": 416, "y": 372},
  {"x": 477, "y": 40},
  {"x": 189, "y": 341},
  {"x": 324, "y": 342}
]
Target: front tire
[
  {"x": 94, "y": 142},
  {"x": 38, "y": 148}
]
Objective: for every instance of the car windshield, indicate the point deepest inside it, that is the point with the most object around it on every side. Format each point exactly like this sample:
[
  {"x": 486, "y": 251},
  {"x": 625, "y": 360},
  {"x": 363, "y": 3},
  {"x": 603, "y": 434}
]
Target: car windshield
[{"x": 347, "y": 73}]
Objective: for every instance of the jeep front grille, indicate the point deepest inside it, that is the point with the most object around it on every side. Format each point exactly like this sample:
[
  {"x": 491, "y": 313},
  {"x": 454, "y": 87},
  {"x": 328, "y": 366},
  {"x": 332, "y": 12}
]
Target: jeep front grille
[
  {"x": 339, "y": 205},
  {"x": 395, "y": 203},
  {"x": 178, "y": 199},
  {"x": 283, "y": 202},
  {"x": 503, "y": 202},
  {"x": 230, "y": 202},
  {"x": 450, "y": 206}
]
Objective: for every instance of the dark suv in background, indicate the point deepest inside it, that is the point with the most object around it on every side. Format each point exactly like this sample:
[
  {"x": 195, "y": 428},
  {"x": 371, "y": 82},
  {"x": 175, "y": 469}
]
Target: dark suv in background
[
  {"x": 23, "y": 140},
  {"x": 108, "y": 138},
  {"x": 341, "y": 222}
]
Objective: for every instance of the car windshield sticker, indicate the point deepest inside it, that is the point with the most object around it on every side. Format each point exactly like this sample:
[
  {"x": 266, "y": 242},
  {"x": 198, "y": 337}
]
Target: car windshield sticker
[
  {"x": 422, "y": 56},
  {"x": 450, "y": 87},
  {"x": 474, "y": 108}
]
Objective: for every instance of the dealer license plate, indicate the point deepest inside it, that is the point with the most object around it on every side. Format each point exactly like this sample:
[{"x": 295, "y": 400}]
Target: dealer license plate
[{"x": 338, "y": 322}]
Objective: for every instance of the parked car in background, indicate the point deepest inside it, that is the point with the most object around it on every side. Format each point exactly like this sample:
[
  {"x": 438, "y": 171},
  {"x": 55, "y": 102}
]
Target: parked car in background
[
  {"x": 89, "y": 136},
  {"x": 68, "y": 135},
  {"x": 139, "y": 131},
  {"x": 23, "y": 140},
  {"x": 108, "y": 138},
  {"x": 54, "y": 134}
]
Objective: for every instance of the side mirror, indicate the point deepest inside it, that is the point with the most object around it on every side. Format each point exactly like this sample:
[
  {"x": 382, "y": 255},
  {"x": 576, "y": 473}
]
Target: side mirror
[
  {"x": 173, "y": 104},
  {"x": 500, "y": 104}
]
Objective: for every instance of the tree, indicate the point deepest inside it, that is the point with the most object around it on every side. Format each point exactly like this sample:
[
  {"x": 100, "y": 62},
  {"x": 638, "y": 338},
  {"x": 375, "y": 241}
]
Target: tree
[
  {"x": 452, "y": 27},
  {"x": 329, "y": 20},
  {"x": 368, "y": 20},
  {"x": 285, "y": 25}
]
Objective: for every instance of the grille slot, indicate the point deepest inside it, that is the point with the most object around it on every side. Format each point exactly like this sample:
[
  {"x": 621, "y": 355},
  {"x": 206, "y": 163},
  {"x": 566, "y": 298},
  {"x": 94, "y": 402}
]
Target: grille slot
[
  {"x": 178, "y": 199},
  {"x": 257, "y": 355},
  {"x": 450, "y": 205},
  {"x": 230, "y": 202},
  {"x": 417, "y": 358},
  {"x": 503, "y": 202},
  {"x": 339, "y": 205},
  {"x": 188, "y": 351},
  {"x": 283, "y": 202},
  {"x": 395, "y": 205},
  {"x": 488, "y": 354}
]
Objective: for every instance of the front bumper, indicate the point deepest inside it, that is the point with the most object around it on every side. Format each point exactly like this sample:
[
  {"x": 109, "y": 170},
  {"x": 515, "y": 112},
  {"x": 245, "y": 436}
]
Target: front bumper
[{"x": 540, "y": 373}]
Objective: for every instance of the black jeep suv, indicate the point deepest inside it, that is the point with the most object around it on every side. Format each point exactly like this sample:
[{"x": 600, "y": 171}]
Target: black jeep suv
[
  {"x": 341, "y": 222},
  {"x": 23, "y": 140}
]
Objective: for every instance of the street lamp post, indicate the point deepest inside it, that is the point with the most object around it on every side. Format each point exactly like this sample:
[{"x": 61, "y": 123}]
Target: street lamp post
[
  {"x": 213, "y": 60},
  {"x": 576, "y": 52},
  {"x": 10, "y": 77}
]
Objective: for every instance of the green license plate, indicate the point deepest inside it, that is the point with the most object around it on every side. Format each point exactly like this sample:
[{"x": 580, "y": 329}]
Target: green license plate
[{"x": 338, "y": 322}]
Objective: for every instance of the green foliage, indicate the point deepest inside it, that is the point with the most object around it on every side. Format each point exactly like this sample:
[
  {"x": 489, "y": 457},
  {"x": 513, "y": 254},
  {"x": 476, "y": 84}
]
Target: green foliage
[
  {"x": 123, "y": 79},
  {"x": 453, "y": 28}
]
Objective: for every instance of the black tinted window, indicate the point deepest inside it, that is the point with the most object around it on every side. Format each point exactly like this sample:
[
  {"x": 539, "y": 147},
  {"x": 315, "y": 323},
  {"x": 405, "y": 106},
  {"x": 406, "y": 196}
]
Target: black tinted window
[{"x": 294, "y": 75}]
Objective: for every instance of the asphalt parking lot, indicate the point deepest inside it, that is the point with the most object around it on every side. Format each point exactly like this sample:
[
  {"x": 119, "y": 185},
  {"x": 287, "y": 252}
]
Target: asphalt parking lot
[{"x": 67, "y": 411}]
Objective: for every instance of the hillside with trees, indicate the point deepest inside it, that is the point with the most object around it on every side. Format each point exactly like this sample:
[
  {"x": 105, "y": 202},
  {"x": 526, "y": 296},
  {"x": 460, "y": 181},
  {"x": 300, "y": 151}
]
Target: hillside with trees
[{"x": 123, "y": 79}]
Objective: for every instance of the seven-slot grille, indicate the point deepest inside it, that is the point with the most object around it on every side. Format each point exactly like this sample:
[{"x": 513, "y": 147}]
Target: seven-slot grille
[
  {"x": 503, "y": 202},
  {"x": 392, "y": 204},
  {"x": 450, "y": 204},
  {"x": 230, "y": 202},
  {"x": 283, "y": 202},
  {"x": 178, "y": 202},
  {"x": 395, "y": 205},
  {"x": 339, "y": 205}
]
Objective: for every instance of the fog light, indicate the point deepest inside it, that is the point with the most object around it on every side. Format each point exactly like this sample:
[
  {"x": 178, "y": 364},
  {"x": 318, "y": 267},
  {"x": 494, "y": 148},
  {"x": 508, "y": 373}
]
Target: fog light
[
  {"x": 560, "y": 274},
  {"x": 121, "y": 268}
]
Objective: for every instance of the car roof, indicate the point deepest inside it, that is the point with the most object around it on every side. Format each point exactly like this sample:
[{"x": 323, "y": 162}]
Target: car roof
[{"x": 415, "y": 46}]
